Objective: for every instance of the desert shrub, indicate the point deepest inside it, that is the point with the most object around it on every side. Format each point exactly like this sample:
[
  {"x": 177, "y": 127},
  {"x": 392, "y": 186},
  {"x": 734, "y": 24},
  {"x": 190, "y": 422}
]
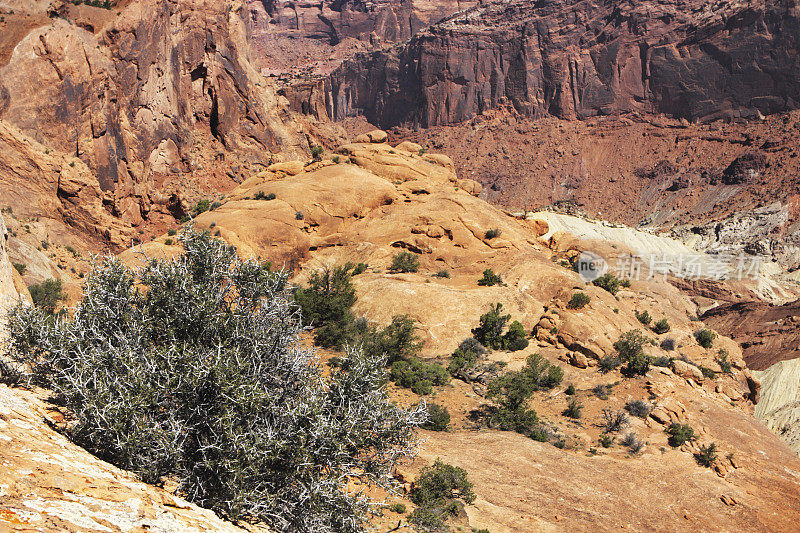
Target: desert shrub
[
  {"x": 466, "y": 355},
  {"x": 47, "y": 294},
  {"x": 490, "y": 331},
  {"x": 316, "y": 152},
  {"x": 578, "y": 300},
  {"x": 722, "y": 360},
  {"x": 707, "y": 372},
  {"x": 172, "y": 232},
  {"x": 608, "y": 363},
  {"x": 668, "y": 345},
  {"x": 570, "y": 391},
  {"x": 20, "y": 268},
  {"x": 404, "y": 262},
  {"x": 438, "y": 418},
  {"x": 707, "y": 455},
  {"x": 396, "y": 341},
  {"x": 662, "y": 361},
  {"x": 215, "y": 205},
  {"x": 705, "y": 337},
  {"x": 513, "y": 389},
  {"x": 574, "y": 408},
  {"x": 490, "y": 278},
  {"x": 625, "y": 283},
  {"x": 662, "y": 326},
  {"x": 614, "y": 421},
  {"x": 440, "y": 491},
  {"x": 168, "y": 242},
  {"x": 325, "y": 304},
  {"x": 299, "y": 215},
  {"x": 192, "y": 369},
  {"x": 398, "y": 508},
  {"x": 630, "y": 347},
  {"x": 679, "y": 434},
  {"x": 638, "y": 408},
  {"x": 608, "y": 282},
  {"x": 417, "y": 375},
  {"x": 45, "y": 245},
  {"x": 443, "y": 274},
  {"x": 632, "y": 443},
  {"x": 643, "y": 317},
  {"x": 201, "y": 207},
  {"x": 493, "y": 233},
  {"x": 606, "y": 440},
  {"x": 601, "y": 391}
]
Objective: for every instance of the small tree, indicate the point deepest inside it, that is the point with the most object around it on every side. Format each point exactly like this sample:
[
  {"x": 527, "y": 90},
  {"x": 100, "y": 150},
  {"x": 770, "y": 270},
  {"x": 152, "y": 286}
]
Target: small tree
[
  {"x": 662, "y": 326},
  {"x": 466, "y": 355},
  {"x": 404, "y": 262},
  {"x": 192, "y": 368},
  {"x": 439, "y": 492},
  {"x": 438, "y": 418},
  {"x": 679, "y": 434},
  {"x": 491, "y": 327},
  {"x": 707, "y": 455}
]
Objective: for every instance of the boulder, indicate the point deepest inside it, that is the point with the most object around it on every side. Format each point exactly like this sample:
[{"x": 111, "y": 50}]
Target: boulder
[{"x": 687, "y": 370}]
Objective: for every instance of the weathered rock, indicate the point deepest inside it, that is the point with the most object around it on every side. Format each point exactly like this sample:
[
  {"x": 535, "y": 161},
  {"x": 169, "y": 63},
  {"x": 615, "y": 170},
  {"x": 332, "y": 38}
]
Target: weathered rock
[
  {"x": 687, "y": 370},
  {"x": 578, "y": 59}
]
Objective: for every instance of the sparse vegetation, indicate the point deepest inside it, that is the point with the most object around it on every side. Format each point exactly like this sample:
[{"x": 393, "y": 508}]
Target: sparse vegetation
[
  {"x": 630, "y": 348},
  {"x": 20, "y": 268},
  {"x": 662, "y": 361},
  {"x": 608, "y": 363},
  {"x": 168, "y": 242},
  {"x": 192, "y": 369},
  {"x": 201, "y": 207},
  {"x": 725, "y": 365},
  {"x": 316, "y": 152},
  {"x": 490, "y": 278},
  {"x": 638, "y": 408},
  {"x": 601, "y": 391},
  {"x": 643, "y": 317},
  {"x": 705, "y": 338},
  {"x": 490, "y": 331},
  {"x": 574, "y": 408},
  {"x": 679, "y": 434},
  {"x": 608, "y": 282},
  {"x": 492, "y": 233},
  {"x": 707, "y": 455},
  {"x": 668, "y": 345},
  {"x": 398, "y": 508},
  {"x": 438, "y": 418},
  {"x": 614, "y": 421},
  {"x": 299, "y": 215},
  {"x": 465, "y": 356},
  {"x": 570, "y": 391},
  {"x": 579, "y": 300},
  {"x": 418, "y": 375},
  {"x": 632, "y": 443},
  {"x": 172, "y": 232},
  {"x": 443, "y": 274},
  {"x": 439, "y": 492},
  {"x": 47, "y": 295},
  {"x": 662, "y": 326},
  {"x": 404, "y": 262},
  {"x": 606, "y": 440}
]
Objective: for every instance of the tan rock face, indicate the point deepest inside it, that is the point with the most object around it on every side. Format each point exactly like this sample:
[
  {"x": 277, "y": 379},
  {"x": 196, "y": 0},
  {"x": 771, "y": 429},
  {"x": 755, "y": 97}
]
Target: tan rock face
[
  {"x": 50, "y": 484},
  {"x": 9, "y": 293},
  {"x": 686, "y": 370}
]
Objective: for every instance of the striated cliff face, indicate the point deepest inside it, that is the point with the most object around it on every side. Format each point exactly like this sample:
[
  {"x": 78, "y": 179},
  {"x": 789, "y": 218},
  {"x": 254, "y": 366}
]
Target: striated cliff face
[
  {"x": 165, "y": 89},
  {"x": 576, "y": 59}
]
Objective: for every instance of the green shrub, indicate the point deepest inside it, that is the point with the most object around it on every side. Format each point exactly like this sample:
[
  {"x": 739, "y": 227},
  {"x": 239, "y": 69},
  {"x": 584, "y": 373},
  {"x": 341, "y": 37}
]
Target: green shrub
[
  {"x": 418, "y": 375},
  {"x": 608, "y": 363},
  {"x": 643, "y": 317},
  {"x": 325, "y": 304},
  {"x": 722, "y": 360},
  {"x": 638, "y": 408},
  {"x": 193, "y": 369},
  {"x": 45, "y": 245},
  {"x": 172, "y": 232},
  {"x": 601, "y": 391},
  {"x": 662, "y": 361},
  {"x": 637, "y": 365},
  {"x": 679, "y": 434},
  {"x": 578, "y": 300},
  {"x": 630, "y": 348},
  {"x": 336, "y": 159},
  {"x": 705, "y": 337},
  {"x": 20, "y": 268},
  {"x": 608, "y": 282},
  {"x": 438, "y": 418},
  {"x": 707, "y": 455},
  {"x": 490, "y": 278},
  {"x": 398, "y": 508},
  {"x": 47, "y": 294},
  {"x": 632, "y": 443},
  {"x": 201, "y": 207},
  {"x": 404, "y": 262},
  {"x": 707, "y": 372},
  {"x": 662, "y": 326},
  {"x": 168, "y": 242},
  {"x": 667, "y": 345},
  {"x": 465, "y": 356},
  {"x": 490, "y": 331},
  {"x": 316, "y": 152},
  {"x": 493, "y": 233},
  {"x": 439, "y": 492},
  {"x": 443, "y": 274},
  {"x": 606, "y": 440},
  {"x": 570, "y": 391},
  {"x": 574, "y": 408},
  {"x": 513, "y": 389},
  {"x": 397, "y": 341},
  {"x": 299, "y": 215}
]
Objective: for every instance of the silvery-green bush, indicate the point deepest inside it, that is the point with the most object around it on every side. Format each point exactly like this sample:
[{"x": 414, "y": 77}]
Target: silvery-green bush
[{"x": 190, "y": 368}]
